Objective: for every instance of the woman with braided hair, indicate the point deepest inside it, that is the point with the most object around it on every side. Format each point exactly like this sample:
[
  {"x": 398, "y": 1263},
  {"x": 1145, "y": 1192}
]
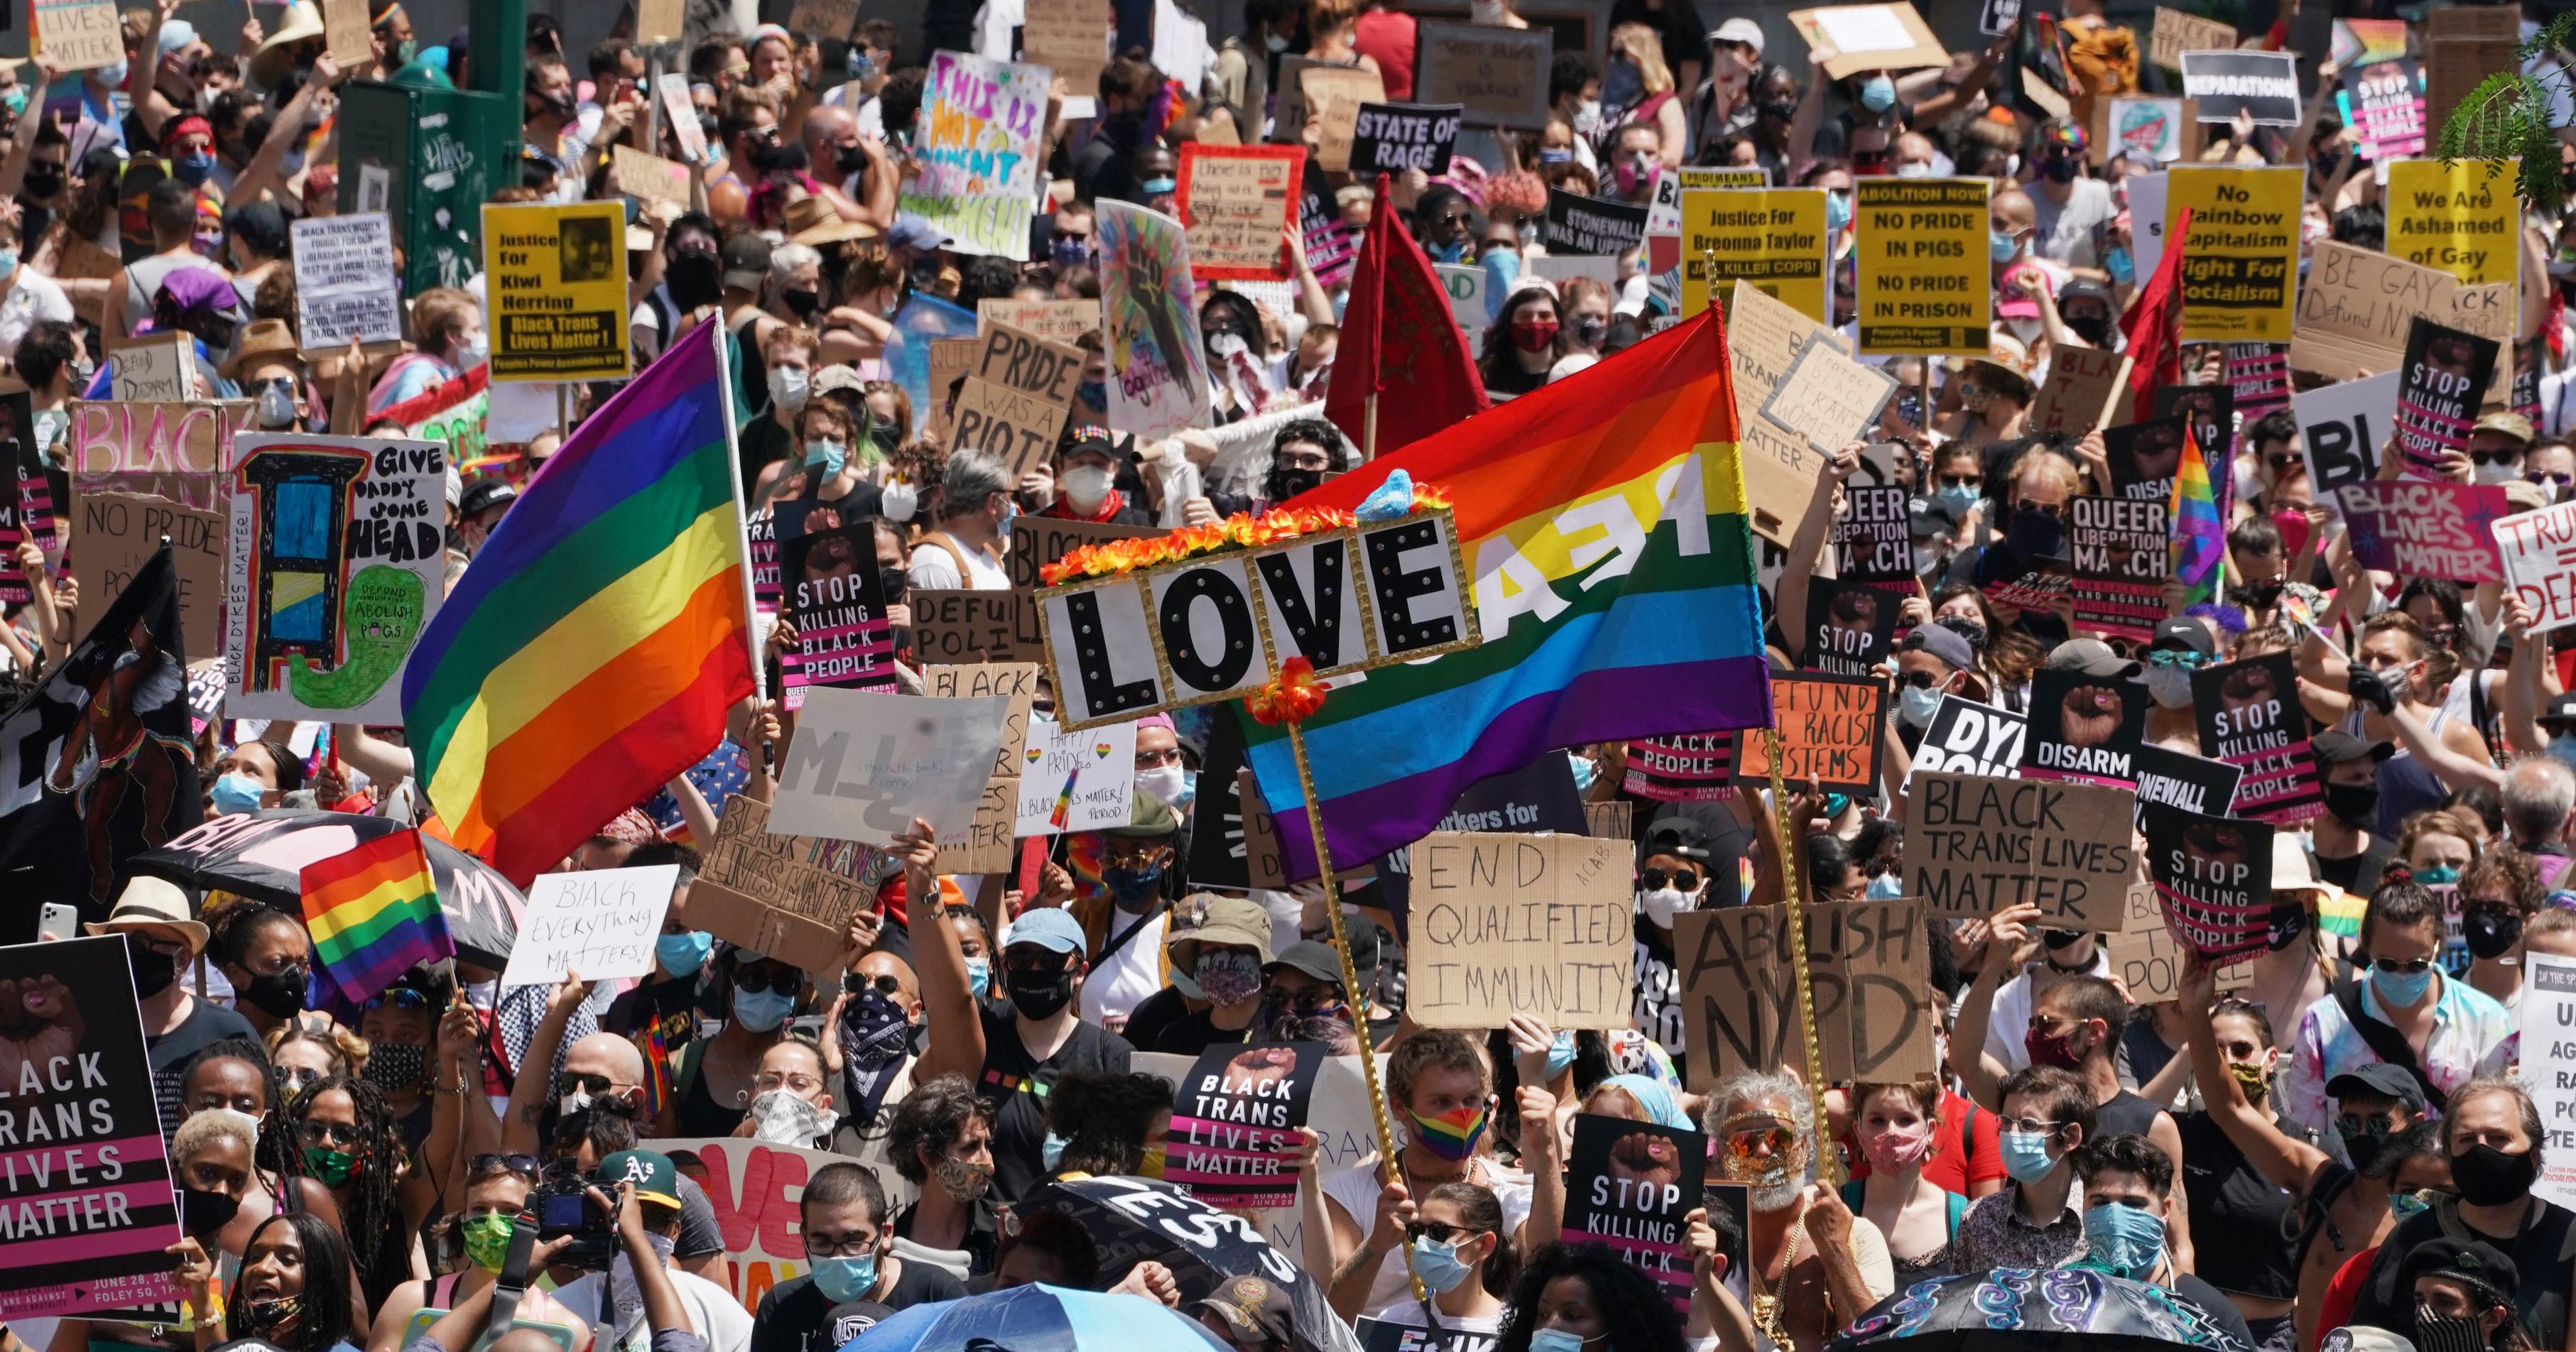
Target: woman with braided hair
[{"x": 344, "y": 1137}]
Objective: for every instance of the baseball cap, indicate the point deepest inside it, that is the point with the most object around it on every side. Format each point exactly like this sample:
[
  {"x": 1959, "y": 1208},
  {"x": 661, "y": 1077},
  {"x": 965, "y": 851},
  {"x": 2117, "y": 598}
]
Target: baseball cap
[
  {"x": 746, "y": 262},
  {"x": 1046, "y": 927},
  {"x": 2513, "y": 425},
  {"x": 2063, "y": 131},
  {"x": 2379, "y": 1078},
  {"x": 1741, "y": 30},
  {"x": 656, "y": 1179},
  {"x": 1942, "y": 642},
  {"x": 1314, "y": 959},
  {"x": 2335, "y": 746},
  {"x": 2092, "y": 657},
  {"x": 1679, "y": 837},
  {"x": 2473, "y": 1262},
  {"x": 1151, "y": 819},
  {"x": 2191, "y": 634},
  {"x": 485, "y": 494},
  {"x": 912, "y": 232},
  {"x": 2561, "y": 708},
  {"x": 831, "y": 379},
  {"x": 1237, "y": 922},
  {"x": 1933, "y": 518},
  {"x": 1251, "y": 1308},
  {"x": 2363, "y": 1338}
]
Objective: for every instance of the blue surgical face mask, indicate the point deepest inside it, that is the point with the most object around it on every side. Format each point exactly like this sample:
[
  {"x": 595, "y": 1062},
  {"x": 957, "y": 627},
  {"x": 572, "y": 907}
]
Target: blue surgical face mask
[
  {"x": 8, "y": 261},
  {"x": 1560, "y": 1053},
  {"x": 1438, "y": 1266},
  {"x": 2440, "y": 875},
  {"x": 683, "y": 954},
  {"x": 1838, "y": 209},
  {"x": 2118, "y": 263},
  {"x": 763, "y": 1011},
  {"x": 2001, "y": 247},
  {"x": 194, "y": 168},
  {"x": 2129, "y": 1240},
  {"x": 846, "y": 1278},
  {"x": 1555, "y": 1340},
  {"x": 1885, "y": 887},
  {"x": 112, "y": 74},
  {"x": 2405, "y": 1204},
  {"x": 1916, "y": 706},
  {"x": 1960, "y": 497},
  {"x": 1878, "y": 93},
  {"x": 828, "y": 453},
  {"x": 2398, "y": 990},
  {"x": 237, "y": 792},
  {"x": 2025, "y": 1155},
  {"x": 979, "y": 976},
  {"x": 1051, "y": 1152},
  {"x": 1586, "y": 770},
  {"x": 1187, "y": 985}
]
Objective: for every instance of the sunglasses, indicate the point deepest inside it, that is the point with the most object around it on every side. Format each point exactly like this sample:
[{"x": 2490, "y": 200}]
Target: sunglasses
[
  {"x": 329, "y": 1133},
  {"x": 1682, "y": 879},
  {"x": 517, "y": 1164},
  {"x": 1437, "y": 1233},
  {"x": 2395, "y": 968},
  {"x": 1961, "y": 480},
  {"x": 400, "y": 997},
  {"x": 2499, "y": 457},
  {"x": 756, "y": 982},
  {"x": 2051, "y": 509},
  {"x": 2176, "y": 657},
  {"x": 1750, "y": 1143},
  {"x": 595, "y": 1085},
  {"x": 1920, "y": 680},
  {"x": 2281, "y": 462},
  {"x": 2542, "y": 476},
  {"x": 886, "y": 985}
]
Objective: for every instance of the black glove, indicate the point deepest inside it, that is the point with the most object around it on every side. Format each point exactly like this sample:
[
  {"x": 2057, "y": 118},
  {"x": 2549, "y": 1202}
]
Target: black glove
[{"x": 2367, "y": 687}]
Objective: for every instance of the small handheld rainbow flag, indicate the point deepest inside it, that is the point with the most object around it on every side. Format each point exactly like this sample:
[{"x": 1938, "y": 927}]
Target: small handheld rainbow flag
[
  {"x": 373, "y": 912},
  {"x": 2199, "y": 539}
]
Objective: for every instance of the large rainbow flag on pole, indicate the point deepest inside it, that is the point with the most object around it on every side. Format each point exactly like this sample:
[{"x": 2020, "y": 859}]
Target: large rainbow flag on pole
[
  {"x": 2199, "y": 545},
  {"x": 591, "y": 651},
  {"x": 373, "y": 912},
  {"x": 1603, "y": 520}
]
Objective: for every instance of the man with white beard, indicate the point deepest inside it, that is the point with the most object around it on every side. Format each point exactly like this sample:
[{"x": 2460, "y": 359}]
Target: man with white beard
[{"x": 1812, "y": 1265}]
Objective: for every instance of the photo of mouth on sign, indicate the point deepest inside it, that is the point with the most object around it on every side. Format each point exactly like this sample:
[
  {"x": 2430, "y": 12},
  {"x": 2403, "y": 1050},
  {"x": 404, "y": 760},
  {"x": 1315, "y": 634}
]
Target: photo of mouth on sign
[{"x": 2214, "y": 878}]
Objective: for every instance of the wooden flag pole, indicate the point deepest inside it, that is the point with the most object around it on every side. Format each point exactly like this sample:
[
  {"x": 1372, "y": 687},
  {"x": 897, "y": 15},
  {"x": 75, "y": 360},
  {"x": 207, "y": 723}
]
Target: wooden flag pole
[
  {"x": 1828, "y": 1166},
  {"x": 1368, "y": 432}
]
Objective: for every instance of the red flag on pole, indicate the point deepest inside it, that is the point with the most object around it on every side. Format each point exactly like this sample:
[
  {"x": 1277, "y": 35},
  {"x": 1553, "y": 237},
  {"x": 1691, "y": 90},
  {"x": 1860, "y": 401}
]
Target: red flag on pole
[
  {"x": 2155, "y": 327},
  {"x": 1398, "y": 336}
]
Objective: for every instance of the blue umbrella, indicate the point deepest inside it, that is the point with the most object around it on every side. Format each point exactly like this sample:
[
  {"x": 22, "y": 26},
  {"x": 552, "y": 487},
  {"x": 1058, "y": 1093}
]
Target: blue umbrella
[{"x": 1039, "y": 1318}]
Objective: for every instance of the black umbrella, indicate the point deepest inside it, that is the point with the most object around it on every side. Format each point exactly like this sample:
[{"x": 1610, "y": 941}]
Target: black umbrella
[
  {"x": 2022, "y": 1310},
  {"x": 263, "y": 854},
  {"x": 1131, "y": 1220}
]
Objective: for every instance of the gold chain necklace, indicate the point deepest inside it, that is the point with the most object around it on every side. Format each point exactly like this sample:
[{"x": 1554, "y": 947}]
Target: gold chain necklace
[{"x": 1766, "y": 1304}]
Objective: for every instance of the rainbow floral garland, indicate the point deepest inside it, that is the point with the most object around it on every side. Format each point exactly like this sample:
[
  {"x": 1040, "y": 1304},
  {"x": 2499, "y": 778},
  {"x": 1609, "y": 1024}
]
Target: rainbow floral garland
[{"x": 1110, "y": 558}]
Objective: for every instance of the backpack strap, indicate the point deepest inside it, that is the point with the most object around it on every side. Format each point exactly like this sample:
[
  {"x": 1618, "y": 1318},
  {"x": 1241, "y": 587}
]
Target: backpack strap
[
  {"x": 940, "y": 538},
  {"x": 2389, "y": 1045}
]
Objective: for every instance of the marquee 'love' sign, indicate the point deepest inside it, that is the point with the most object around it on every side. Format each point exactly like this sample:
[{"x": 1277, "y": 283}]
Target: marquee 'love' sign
[{"x": 1217, "y": 626}]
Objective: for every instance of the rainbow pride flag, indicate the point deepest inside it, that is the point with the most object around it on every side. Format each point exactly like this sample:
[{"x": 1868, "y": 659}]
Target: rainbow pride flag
[
  {"x": 1603, "y": 520},
  {"x": 2199, "y": 545},
  {"x": 589, "y": 653},
  {"x": 373, "y": 912}
]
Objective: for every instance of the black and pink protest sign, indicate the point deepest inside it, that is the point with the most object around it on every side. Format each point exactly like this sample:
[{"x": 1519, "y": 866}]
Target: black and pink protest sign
[
  {"x": 1628, "y": 1187},
  {"x": 1233, "y": 1142},
  {"x": 2250, "y": 717}
]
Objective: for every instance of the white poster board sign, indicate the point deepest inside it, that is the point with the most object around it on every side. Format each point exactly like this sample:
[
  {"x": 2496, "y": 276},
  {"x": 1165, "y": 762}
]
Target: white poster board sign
[
  {"x": 1076, "y": 781},
  {"x": 2539, "y": 551},
  {"x": 2549, "y": 1064},
  {"x": 2341, "y": 427},
  {"x": 602, "y": 924},
  {"x": 345, "y": 287},
  {"x": 864, "y": 763}
]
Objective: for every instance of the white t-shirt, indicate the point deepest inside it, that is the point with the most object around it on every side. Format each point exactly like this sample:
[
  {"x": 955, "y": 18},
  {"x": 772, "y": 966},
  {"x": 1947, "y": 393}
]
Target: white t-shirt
[
  {"x": 32, "y": 297},
  {"x": 1121, "y": 981},
  {"x": 935, "y": 569},
  {"x": 713, "y": 1312},
  {"x": 2012, "y": 1013},
  {"x": 1356, "y": 1190}
]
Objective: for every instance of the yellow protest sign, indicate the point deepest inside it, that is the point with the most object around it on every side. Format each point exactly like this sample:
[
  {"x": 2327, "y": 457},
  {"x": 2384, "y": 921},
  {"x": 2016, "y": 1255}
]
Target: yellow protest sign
[
  {"x": 2240, "y": 267},
  {"x": 557, "y": 277},
  {"x": 1925, "y": 279},
  {"x": 1694, "y": 176},
  {"x": 2456, "y": 215},
  {"x": 1773, "y": 238}
]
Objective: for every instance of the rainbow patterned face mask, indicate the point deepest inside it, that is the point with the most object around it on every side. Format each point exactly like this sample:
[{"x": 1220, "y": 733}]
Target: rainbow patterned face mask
[{"x": 1451, "y": 1135}]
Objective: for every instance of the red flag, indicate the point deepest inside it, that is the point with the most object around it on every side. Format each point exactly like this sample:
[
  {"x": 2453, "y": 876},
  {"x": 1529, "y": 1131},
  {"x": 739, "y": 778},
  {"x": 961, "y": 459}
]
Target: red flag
[
  {"x": 1398, "y": 335},
  {"x": 2155, "y": 327}
]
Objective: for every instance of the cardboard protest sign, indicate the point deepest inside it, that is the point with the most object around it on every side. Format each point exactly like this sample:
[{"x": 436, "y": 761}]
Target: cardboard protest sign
[
  {"x": 977, "y": 155},
  {"x": 1389, "y": 138},
  {"x": 1925, "y": 284},
  {"x": 2425, "y": 527},
  {"x": 2241, "y": 281},
  {"x": 2180, "y": 779},
  {"x": 2357, "y": 306},
  {"x": 1831, "y": 730},
  {"x": 2213, "y": 876},
  {"x": 1628, "y": 1186},
  {"x": 601, "y": 923},
  {"x": 152, "y": 368},
  {"x": 2440, "y": 384},
  {"x": 92, "y": 1208},
  {"x": 830, "y": 589},
  {"x": 2083, "y": 727},
  {"x": 829, "y": 20},
  {"x": 2175, "y": 33},
  {"x": 963, "y": 626},
  {"x": 1691, "y": 768},
  {"x": 1017, "y": 395},
  {"x": 1333, "y": 96},
  {"x": 1827, "y": 399},
  {"x": 114, "y": 534},
  {"x": 1866, "y": 964},
  {"x": 791, "y": 896},
  {"x": 2144, "y": 458},
  {"x": 1871, "y": 538},
  {"x": 1037, "y": 541},
  {"x": 2388, "y": 117},
  {"x": 1496, "y": 76},
  {"x": 2150, "y": 127},
  {"x": 1576, "y": 224},
  {"x": 2081, "y": 383},
  {"x": 864, "y": 763},
  {"x": 2539, "y": 553},
  {"x": 338, "y": 559},
  {"x": 558, "y": 284},
  {"x": 1069, "y": 38},
  {"x": 1237, "y": 201},
  {"x": 2248, "y": 716},
  {"x": 1057, "y": 321},
  {"x": 345, "y": 287},
  {"x": 1233, "y": 1140},
  {"x": 985, "y": 845},
  {"x": 1158, "y": 379},
  {"x": 2262, "y": 86},
  {"x": 2258, "y": 376},
  {"x": 2460, "y": 216},
  {"x": 1764, "y": 338},
  {"x": 1080, "y": 780},
  {"x": 1520, "y": 924},
  {"x": 2548, "y": 1010},
  {"x": 1851, "y": 626},
  {"x": 76, "y": 34},
  {"x": 1980, "y": 844},
  {"x": 661, "y": 186},
  {"x": 951, "y": 360},
  {"x": 2121, "y": 562},
  {"x": 679, "y": 113},
  {"x": 2148, "y": 962},
  {"x": 1774, "y": 238},
  {"x": 1614, "y": 820},
  {"x": 1969, "y": 737},
  {"x": 2341, "y": 427},
  {"x": 1869, "y": 37}
]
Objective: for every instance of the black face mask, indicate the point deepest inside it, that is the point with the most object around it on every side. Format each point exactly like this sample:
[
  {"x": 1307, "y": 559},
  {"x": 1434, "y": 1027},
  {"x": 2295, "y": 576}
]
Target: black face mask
[
  {"x": 2035, "y": 535},
  {"x": 203, "y": 1213},
  {"x": 2261, "y": 597},
  {"x": 43, "y": 180},
  {"x": 852, "y": 159},
  {"x": 2489, "y": 933},
  {"x": 1288, "y": 483},
  {"x": 2286, "y": 925},
  {"x": 2094, "y": 329},
  {"x": 695, "y": 277},
  {"x": 803, "y": 303},
  {"x": 2486, "y": 1176},
  {"x": 2060, "y": 940},
  {"x": 1780, "y": 110},
  {"x": 1038, "y": 993},
  {"x": 2363, "y": 1145},
  {"x": 894, "y": 580},
  {"x": 153, "y": 969},
  {"x": 280, "y": 996},
  {"x": 2354, "y": 804}
]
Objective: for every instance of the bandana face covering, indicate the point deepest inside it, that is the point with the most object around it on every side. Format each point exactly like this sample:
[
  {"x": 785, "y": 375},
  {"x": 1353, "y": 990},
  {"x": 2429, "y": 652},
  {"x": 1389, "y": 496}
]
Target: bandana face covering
[
  {"x": 1451, "y": 1135},
  {"x": 963, "y": 1182}
]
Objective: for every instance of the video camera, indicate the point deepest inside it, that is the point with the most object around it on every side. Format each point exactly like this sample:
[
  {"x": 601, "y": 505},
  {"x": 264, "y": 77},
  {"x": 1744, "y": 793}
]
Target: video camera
[{"x": 563, "y": 1206}]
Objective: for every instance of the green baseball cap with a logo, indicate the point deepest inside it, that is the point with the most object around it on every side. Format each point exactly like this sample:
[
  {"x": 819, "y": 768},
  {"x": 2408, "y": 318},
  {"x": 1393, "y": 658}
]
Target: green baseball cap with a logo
[{"x": 655, "y": 1177}]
